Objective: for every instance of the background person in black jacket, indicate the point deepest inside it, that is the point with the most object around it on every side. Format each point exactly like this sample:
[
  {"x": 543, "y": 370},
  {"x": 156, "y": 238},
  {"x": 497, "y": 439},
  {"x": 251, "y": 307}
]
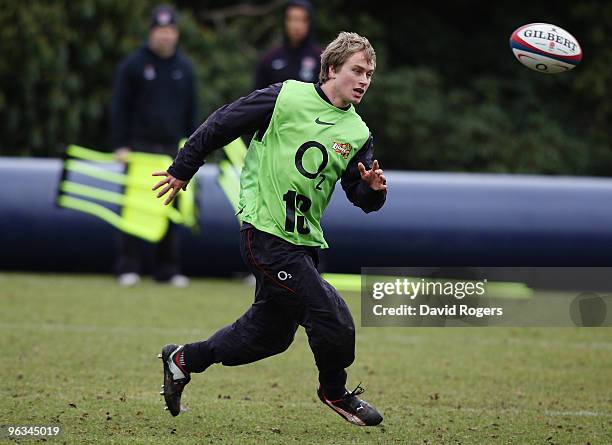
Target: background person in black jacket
[
  {"x": 299, "y": 57},
  {"x": 153, "y": 108}
]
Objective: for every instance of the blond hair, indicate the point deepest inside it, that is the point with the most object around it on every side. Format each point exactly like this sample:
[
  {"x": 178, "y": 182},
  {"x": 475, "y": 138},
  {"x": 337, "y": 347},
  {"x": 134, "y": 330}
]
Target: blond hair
[{"x": 340, "y": 49}]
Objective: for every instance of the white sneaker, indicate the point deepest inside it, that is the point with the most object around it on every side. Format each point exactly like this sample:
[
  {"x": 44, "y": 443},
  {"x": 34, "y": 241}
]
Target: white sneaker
[
  {"x": 179, "y": 281},
  {"x": 128, "y": 279},
  {"x": 249, "y": 280}
]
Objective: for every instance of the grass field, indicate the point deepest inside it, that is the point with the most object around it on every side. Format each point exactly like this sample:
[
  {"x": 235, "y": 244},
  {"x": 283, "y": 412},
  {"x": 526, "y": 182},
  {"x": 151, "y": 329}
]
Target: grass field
[{"x": 80, "y": 352}]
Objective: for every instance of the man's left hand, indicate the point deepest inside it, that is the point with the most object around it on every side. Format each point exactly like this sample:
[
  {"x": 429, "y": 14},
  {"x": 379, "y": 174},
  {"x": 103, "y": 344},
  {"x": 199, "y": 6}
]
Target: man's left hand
[{"x": 375, "y": 177}]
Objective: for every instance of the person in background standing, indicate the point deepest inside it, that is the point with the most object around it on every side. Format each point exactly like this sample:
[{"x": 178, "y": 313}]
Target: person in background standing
[
  {"x": 153, "y": 108},
  {"x": 299, "y": 57}
]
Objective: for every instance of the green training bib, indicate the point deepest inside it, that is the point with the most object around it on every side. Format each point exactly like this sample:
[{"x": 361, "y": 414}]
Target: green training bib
[{"x": 290, "y": 174}]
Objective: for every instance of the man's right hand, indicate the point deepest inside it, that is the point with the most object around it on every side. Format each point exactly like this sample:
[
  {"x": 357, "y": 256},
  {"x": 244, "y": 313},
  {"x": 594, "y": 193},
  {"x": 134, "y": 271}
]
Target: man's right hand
[{"x": 171, "y": 183}]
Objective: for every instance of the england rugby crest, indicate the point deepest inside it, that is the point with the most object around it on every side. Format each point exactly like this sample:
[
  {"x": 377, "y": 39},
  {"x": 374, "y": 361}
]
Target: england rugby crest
[{"x": 342, "y": 149}]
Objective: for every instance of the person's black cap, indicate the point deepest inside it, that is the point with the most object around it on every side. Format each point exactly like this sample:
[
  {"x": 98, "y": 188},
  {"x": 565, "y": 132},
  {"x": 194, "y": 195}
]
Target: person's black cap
[{"x": 163, "y": 15}]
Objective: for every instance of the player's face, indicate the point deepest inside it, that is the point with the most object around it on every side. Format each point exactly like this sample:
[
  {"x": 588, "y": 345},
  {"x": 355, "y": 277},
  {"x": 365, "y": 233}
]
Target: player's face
[
  {"x": 163, "y": 40},
  {"x": 297, "y": 23},
  {"x": 352, "y": 79}
]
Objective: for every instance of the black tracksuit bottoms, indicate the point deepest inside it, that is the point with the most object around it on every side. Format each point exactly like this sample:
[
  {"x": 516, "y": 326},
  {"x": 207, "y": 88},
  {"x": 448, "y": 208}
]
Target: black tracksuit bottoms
[{"x": 289, "y": 293}]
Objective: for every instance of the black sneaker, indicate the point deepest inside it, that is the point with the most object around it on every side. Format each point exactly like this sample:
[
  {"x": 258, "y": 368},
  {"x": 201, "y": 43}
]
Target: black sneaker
[
  {"x": 352, "y": 408},
  {"x": 175, "y": 377}
]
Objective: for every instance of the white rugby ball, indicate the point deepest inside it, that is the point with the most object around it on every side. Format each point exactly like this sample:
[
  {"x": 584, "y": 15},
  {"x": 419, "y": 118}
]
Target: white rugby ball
[{"x": 545, "y": 48}]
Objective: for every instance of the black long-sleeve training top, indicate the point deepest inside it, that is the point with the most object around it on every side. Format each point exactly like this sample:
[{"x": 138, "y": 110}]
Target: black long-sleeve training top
[
  {"x": 285, "y": 62},
  {"x": 251, "y": 115},
  {"x": 154, "y": 100}
]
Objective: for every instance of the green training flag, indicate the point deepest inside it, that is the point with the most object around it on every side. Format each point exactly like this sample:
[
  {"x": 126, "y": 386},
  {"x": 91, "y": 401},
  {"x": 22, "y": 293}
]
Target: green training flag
[
  {"x": 229, "y": 171},
  {"x": 141, "y": 213}
]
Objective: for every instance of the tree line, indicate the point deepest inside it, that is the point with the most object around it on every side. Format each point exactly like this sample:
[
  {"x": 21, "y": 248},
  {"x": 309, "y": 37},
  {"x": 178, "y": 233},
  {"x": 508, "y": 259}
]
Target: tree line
[{"x": 447, "y": 95}]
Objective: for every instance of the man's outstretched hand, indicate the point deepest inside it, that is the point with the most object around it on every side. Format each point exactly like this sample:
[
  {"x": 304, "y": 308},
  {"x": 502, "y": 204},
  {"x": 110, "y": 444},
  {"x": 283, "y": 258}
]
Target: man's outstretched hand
[
  {"x": 171, "y": 183},
  {"x": 375, "y": 178}
]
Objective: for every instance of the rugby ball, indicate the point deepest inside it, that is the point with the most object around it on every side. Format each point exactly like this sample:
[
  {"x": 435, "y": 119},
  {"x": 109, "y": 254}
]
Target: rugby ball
[{"x": 545, "y": 48}]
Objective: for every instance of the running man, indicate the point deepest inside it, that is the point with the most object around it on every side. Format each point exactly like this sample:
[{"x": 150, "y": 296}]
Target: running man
[{"x": 307, "y": 137}]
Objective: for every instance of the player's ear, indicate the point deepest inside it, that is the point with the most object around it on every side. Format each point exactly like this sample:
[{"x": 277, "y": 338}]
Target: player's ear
[{"x": 331, "y": 72}]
